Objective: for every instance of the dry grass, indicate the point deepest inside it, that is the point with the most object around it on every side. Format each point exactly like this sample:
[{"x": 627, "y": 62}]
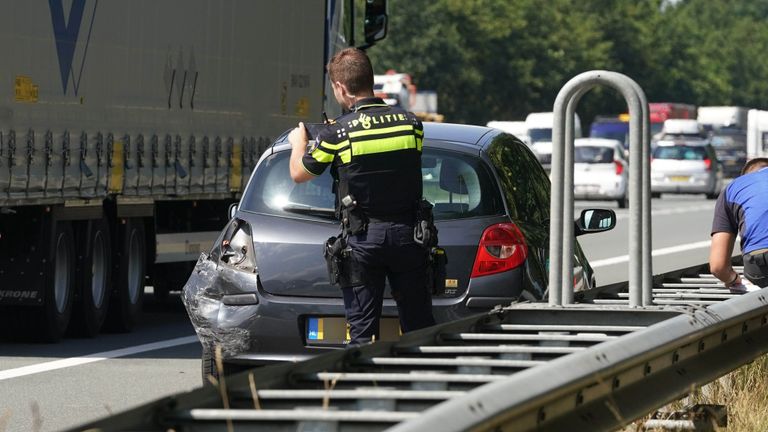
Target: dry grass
[{"x": 744, "y": 392}]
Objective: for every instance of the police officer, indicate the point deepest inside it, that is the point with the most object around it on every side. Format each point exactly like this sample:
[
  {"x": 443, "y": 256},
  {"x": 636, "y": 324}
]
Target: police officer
[
  {"x": 374, "y": 152},
  {"x": 742, "y": 208}
]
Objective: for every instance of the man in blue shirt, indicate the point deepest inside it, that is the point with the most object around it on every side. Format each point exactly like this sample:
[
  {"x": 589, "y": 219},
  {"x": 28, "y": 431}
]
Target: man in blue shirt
[{"x": 742, "y": 209}]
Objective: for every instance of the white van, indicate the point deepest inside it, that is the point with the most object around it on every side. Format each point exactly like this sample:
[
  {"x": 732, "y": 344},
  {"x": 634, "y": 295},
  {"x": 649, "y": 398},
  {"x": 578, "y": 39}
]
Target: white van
[
  {"x": 540, "y": 125},
  {"x": 516, "y": 128},
  {"x": 757, "y": 134}
]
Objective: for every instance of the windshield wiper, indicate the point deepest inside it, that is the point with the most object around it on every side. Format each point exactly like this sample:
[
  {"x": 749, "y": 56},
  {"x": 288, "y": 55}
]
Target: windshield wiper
[{"x": 306, "y": 209}]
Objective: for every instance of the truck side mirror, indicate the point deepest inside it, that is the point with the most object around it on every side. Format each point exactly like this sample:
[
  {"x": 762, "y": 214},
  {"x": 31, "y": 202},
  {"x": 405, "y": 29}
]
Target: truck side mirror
[
  {"x": 232, "y": 210},
  {"x": 595, "y": 220},
  {"x": 375, "y": 24}
]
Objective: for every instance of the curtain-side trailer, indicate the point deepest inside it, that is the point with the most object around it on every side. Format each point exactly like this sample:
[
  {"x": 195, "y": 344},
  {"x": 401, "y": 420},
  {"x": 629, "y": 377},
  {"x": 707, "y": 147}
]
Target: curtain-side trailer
[{"x": 126, "y": 130}]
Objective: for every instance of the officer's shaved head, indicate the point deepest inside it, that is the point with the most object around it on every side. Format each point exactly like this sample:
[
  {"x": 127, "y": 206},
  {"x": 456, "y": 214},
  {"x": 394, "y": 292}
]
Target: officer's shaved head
[
  {"x": 352, "y": 67},
  {"x": 754, "y": 164}
]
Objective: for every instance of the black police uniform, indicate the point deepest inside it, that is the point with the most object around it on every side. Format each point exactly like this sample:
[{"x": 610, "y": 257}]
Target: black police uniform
[{"x": 375, "y": 156}]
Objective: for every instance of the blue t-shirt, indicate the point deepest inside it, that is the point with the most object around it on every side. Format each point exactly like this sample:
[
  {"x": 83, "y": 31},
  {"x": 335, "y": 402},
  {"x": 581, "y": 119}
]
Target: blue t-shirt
[{"x": 743, "y": 208}]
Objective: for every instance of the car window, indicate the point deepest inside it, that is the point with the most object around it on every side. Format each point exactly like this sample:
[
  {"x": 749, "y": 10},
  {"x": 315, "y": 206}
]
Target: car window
[
  {"x": 524, "y": 182},
  {"x": 680, "y": 152},
  {"x": 459, "y": 185},
  {"x": 272, "y": 190},
  {"x": 593, "y": 154}
]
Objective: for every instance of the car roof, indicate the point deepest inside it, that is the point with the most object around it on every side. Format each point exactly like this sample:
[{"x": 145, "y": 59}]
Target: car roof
[
  {"x": 461, "y": 133},
  {"x": 600, "y": 142},
  {"x": 688, "y": 143},
  {"x": 468, "y": 135}
]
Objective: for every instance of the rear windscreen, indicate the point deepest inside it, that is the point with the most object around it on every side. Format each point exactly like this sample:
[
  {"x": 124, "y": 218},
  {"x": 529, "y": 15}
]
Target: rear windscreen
[
  {"x": 458, "y": 184},
  {"x": 593, "y": 154},
  {"x": 680, "y": 152}
]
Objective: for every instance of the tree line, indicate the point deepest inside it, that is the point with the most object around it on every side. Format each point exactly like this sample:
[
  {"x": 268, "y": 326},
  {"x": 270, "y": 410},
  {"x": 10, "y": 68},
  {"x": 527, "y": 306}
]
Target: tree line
[{"x": 501, "y": 59}]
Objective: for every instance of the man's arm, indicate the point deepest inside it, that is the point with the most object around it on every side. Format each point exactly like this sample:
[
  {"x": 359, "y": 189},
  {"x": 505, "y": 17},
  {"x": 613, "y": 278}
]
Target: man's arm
[
  {"x": 298, "y": 139},
  {"x": 720, "y": 258}
]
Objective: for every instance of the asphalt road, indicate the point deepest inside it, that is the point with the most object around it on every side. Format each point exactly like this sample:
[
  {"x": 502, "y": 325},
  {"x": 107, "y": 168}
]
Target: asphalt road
[{"x": 53, "y": 387}]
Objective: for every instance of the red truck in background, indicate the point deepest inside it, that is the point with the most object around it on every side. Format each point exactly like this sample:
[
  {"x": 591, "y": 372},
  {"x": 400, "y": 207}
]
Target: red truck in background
[{"x": 660, "y": 111}]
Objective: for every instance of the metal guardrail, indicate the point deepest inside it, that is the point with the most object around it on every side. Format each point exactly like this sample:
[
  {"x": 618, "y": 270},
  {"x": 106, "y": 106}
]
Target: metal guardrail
[{"x": 590, "y": 366}]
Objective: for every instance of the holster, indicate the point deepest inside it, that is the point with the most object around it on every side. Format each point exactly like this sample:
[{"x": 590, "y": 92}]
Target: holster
[
  {"x": 437, "y": 262},
  {"x": 425, "y": 231},
  {"x": 343, "y": 268}
]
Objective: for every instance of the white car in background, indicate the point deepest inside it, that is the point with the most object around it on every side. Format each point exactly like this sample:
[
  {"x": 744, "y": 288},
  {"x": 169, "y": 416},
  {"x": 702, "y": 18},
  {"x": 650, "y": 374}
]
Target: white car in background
[
  {"x": 600, "y": 170},
  {"x": 543, "y": 151},
  {"x": 686, "y": 167}
]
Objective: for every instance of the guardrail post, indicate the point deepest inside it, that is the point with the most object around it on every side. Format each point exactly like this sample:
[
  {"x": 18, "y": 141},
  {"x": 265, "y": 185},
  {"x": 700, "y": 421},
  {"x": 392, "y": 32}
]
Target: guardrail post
[{"x": 561, "y": 242}]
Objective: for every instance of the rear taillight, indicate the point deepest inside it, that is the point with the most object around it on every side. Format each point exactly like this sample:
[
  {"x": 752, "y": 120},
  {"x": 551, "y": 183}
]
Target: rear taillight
[
  {"x": 502, "y": 247},
  {"x": 708, "y": 164},
  {"x": 619, "y": 167}
]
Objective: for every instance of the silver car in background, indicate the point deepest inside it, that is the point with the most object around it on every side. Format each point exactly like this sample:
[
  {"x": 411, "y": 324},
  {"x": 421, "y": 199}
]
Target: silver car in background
[
  {"x": 686, "y": 167},
  {"x": 600, "y": 170}
]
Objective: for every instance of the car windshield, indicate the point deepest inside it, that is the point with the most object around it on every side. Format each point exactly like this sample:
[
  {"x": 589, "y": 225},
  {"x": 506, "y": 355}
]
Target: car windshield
[
  {"x": 459, "y": 185},
  {"x": 680, "y": 152},
  {"x": 593, "y": 154},
  {"x": 729, "y": 140},
  {"x": 544, "y": 134}
]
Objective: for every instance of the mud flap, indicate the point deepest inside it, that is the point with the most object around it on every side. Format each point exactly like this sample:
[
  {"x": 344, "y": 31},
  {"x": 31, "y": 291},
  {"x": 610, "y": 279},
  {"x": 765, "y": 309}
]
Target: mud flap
[{"x": 218, "y": 324}]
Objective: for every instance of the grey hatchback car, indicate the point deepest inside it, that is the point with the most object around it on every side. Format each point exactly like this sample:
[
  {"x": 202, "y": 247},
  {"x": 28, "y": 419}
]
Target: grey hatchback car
[{"x": 263, "y": 293}]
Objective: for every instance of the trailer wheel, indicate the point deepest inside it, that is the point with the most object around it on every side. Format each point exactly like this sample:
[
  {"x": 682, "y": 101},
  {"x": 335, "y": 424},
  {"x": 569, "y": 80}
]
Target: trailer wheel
[
  {"x": 90, "y": 310},
  {"x": 128, "y": 291},
  {"x": 59, "y": 284}
]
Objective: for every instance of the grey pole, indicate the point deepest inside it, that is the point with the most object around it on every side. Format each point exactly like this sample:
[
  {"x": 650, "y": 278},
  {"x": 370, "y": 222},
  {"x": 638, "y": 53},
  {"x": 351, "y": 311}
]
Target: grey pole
[
  {"x": 556, "y": 203},
  {"x": 568, "y": 234},
  {"x": 647, "y": 246},
  {"x": 574, "y": 89}
]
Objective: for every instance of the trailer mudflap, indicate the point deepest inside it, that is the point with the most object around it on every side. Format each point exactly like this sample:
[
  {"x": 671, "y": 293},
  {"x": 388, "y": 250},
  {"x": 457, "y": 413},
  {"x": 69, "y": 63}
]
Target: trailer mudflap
[{"x": 218, "y": 324}]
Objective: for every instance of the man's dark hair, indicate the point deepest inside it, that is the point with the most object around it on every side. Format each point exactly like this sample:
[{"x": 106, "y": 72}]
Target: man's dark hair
[
  {"x": 352, "y": 67},
  {"x": 754, "y": 165}
]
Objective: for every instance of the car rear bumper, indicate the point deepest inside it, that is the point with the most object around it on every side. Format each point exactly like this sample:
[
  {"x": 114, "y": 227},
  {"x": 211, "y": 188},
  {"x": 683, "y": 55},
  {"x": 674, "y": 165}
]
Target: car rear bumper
[
  {"x": 262, "y": 328},
  {"x": 692, "y": 185}
]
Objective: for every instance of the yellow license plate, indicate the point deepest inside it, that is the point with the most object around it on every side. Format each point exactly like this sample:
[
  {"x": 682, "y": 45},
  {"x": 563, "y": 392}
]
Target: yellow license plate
[
  {"x": 335, "y": 331},
  {"x": 679, "y": 178}
]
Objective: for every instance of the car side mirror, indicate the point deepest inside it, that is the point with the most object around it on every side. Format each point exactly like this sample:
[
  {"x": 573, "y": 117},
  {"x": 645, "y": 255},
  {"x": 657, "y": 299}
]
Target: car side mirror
[
  {"x": 375, "y": 24},
  {"x": 232, "y": 210},
  {"x": 595, "y": 220}
]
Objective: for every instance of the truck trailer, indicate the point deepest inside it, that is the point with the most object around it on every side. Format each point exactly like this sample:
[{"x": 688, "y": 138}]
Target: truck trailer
[{"x": 126, "y": 131}]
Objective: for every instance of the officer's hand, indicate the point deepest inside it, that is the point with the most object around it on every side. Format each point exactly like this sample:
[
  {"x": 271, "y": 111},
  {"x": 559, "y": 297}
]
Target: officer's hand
[{"x": 298, "y": 137}]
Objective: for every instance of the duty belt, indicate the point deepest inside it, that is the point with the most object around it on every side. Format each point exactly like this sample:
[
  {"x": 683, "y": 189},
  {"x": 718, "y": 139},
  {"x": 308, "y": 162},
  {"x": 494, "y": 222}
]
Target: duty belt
[
  {"x": 758, "y": 252},
  {"x": 407, "y": 219}
]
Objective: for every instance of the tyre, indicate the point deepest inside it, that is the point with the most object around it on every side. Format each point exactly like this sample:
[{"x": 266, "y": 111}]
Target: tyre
[
  {"x": 128, "y": 283},
  {"x": 94, "y": 279},
  {"x": 623, "y": 202},
  {"x": 655, "y": 194},
  {"x": 59, "y": 285}
]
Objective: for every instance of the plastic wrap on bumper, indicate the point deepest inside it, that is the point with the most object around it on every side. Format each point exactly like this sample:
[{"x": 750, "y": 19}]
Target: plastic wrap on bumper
[{"x": 218, "y": 324}]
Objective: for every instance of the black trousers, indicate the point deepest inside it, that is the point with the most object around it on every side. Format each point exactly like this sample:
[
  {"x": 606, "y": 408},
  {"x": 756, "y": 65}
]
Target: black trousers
[
  {"x": 756, "y": 269},
  {"x": 387, "y": 250}
]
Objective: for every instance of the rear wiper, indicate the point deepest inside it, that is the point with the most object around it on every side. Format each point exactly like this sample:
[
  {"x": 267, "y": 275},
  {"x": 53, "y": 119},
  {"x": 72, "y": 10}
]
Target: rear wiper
[{"x": 306, "y": 209}]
